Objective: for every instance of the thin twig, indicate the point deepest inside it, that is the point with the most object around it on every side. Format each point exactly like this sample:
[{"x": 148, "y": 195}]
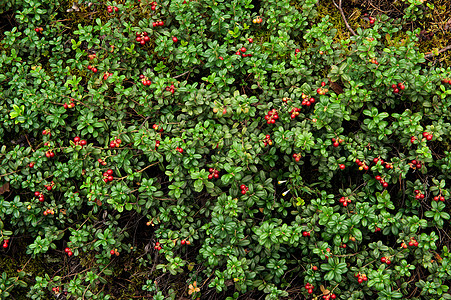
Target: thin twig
[
  {"x": 431, "y": 54},
  {"x": 344, "y": 17}
]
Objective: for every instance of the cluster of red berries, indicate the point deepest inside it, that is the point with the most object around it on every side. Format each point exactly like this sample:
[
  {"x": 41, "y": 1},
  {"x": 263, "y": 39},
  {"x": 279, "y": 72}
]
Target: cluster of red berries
[
  {"x": 306, "y": 101},
  {"x": 49, "y": 153},
  {"x": 71, "y": 104},
  {"x": 309, "y": 287},
  {"x": 68, "y": 251},
  {"x": 213, "y": 173},
  {"x": 306, "y": 233},
  {"x": 267, "y": 140},
  {"x": 46, "y": 132},
  {"x": 153, "y": 5},
  {"x": 142, "y": 37},
  {"x": 93, "y": 69},
  {"x": 145, "y": 80},
  {"x": 114, "y": 252},
  {"x": 372, "y": 20},
  {"x": 102, "y": 162},
  {"x": 345, "y": 201},
  {"x": 382, "y": 181},
  {"x": 185, "y": 242},
  {"x": 397, "y": 87},
  {"x": 271, "y": 116},
  {"x": 5, "y": 244},
  {"x": 362, "y": 165},
  {"x": 157, "y": 246},
  {"x": 242, "y": 52},
  {"x": 39, "y": 195},
  {"x": 428, "y": 136},
  {"x": 322, "y": 90},
  {"x": 446, "y": 80},
  {"x": 439, "y": 197},
  {"x": 157, "y": 144},
  {"x": 385, "y": 260},
  {"x": 106, "y": 75},
  {"x": 39, "y": 29},
  {"x": 294, "y": 112},
  {"x": 413, "y": 243},
  {"x": 329, "y": 296},
  {"x": 297, "y": 156},
  {"x": 418, "y": 195},
  {"x": 376, "y": 229},
  {"x": 80, "y": 142},
  {"x": 179, "y": 149},
  {"x": 49, "y": 186},
  {"x": 296, "y": 51},
  {"x": 115, "y": 143},
  {"x": 110, "y": 9},
  {"x": 374, "y": 61},
  {"x": 414, "y": 164},
  {"x": 244, "y": 189},
  {"x": 159, "y": 23},
  {"x": 170, "y": 88},
  {"x": 337, "y": 142},
  {"x": 108, "y": 176},
  {"x": 360, "y": 277},
  {"x": 257, "y": 20},
  {"x": 156, "y": 126},
  {"x": 387, "y": 165},
  {"x": 56, "y": 290},
  {"x": 48, "y": 212}
]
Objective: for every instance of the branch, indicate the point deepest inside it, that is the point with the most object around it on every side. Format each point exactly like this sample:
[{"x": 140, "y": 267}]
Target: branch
[
  {"x": 431, "y": 54},
  {"x": 344, "y": 17}
]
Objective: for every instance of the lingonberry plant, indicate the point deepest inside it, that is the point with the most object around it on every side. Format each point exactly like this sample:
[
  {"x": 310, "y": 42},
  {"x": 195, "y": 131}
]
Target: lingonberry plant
[{"x": 222, "y": 150}]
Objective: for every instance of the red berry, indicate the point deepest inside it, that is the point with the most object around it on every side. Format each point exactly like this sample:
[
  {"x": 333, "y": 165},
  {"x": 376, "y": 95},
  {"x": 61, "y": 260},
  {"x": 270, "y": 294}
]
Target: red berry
[
  {"x": 210, "y": 176},
  {"x": 309, "y": 291},
  {"x": 183, "y": 242},
  {"x": 360, "y": 280},
  {"x": 429, "y": 137},
  {"x": 383, "y": 259},
  {"x": 385, "y": 184},
  {"x": 112, "y": 252},
  {"x": 110, "y": 178},
  {"x": 323, "y": 83},
  {"x": 388, "y": 262},
  {"x": 109, "y": 172},
  {"x": 243, "y": 192},
  {"x": 174, "y": 39},
  {"x": 69, "y": 253},
  {"x": 242, "y": 187},
  {"x": 243, "y": 49},
  {"x": 442, "y": 198},
  {"x": 342, "y": 166},
  {"x": 37, "y": 193},
  {"x": 250, "y": 40},
  {"x": 377, "y": 177},
  {"x": 216, "y": 175},
  {"x": 314, "y": 268},
  {"x": 160, "y": 23},
  {"x": 94, "y": 70},
  {"x": 41, "y": 199},
  {"x": 83, "y": 142},
  {"x": 336, "y": 144}
]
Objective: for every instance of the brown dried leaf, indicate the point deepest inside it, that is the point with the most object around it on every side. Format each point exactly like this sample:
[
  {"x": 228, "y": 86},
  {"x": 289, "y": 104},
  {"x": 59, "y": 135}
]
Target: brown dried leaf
[{"x": 4, "y": 188}]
